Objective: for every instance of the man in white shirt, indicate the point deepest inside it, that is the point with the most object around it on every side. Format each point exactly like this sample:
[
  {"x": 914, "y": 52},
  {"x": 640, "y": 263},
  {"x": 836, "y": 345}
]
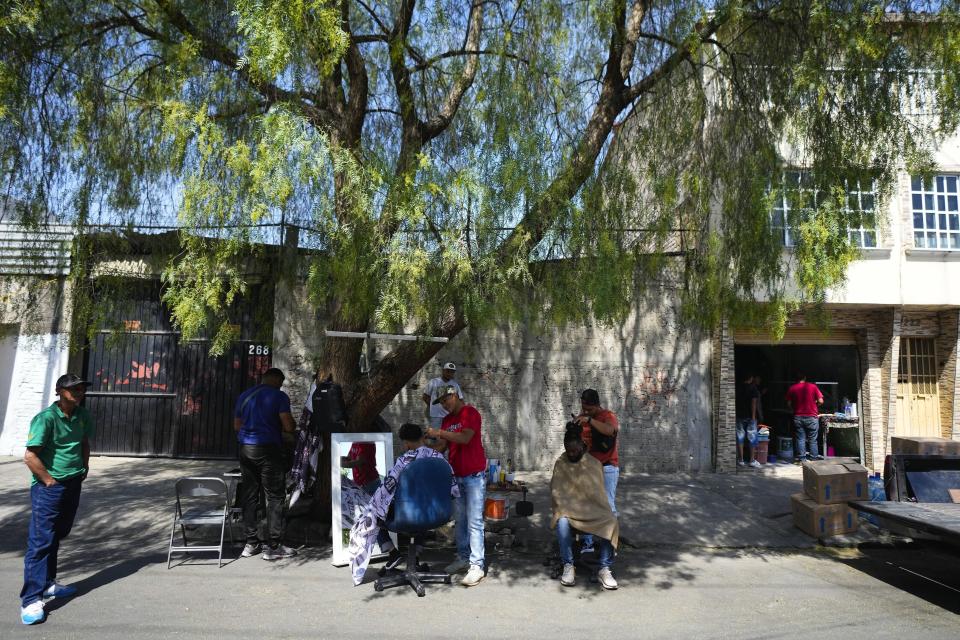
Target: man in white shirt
[{"x": 435, "y": 411}]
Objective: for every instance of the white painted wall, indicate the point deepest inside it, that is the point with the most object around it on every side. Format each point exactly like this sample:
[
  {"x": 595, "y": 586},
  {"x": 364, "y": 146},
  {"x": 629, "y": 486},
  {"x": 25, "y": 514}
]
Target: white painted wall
[{"x": 37, "y": 360}]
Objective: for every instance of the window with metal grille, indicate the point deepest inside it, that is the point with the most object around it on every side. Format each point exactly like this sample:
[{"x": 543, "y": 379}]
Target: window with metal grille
[
  {"x": 936, "y": 212},
  {"x": 796, "y": 198}
]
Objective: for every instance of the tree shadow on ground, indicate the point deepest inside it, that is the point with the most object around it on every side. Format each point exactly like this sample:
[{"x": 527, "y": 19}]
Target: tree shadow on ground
[{"x": 127, "y": 507}]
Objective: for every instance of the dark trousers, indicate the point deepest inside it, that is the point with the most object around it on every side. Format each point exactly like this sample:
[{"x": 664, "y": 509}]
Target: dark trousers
[
  {"x": 53, "y": 510},
  {"x": 261, "y": 469},
  {"x": 808, "y": 430}
]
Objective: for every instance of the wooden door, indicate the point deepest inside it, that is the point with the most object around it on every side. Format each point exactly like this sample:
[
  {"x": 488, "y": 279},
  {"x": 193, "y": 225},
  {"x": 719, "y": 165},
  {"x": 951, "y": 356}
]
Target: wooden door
[{"x": 918, "y": 401}]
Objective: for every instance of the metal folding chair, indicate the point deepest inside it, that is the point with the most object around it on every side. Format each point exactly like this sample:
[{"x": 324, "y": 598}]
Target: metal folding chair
[{"x": 215, "y": 510}]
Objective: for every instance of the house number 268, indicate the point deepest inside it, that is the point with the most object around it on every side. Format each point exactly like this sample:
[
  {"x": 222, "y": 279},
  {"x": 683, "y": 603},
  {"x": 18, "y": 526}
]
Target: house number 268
[{"x": 259, "y": 350}]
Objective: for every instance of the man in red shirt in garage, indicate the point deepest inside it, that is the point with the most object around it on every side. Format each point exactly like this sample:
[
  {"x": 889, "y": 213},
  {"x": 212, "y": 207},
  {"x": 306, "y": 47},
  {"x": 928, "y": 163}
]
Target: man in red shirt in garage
[{"x": 805, "y": 398}]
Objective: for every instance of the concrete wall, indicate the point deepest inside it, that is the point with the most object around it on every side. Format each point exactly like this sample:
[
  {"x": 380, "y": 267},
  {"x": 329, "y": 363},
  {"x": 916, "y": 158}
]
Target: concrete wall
[
  {"x": 652, "y": 372},
  {"x": 34, "y": 352}
]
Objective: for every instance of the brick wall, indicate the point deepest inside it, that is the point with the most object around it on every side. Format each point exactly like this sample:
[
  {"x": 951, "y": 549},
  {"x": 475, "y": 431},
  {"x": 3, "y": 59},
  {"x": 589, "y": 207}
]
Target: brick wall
[
  {"x": 653, "y": 372},
  {"x": 889, "y": 328},
  {"x": 725, "y": 390},
  {"x": 920, "y": 324},
  {"x": 947, "y": 343}
]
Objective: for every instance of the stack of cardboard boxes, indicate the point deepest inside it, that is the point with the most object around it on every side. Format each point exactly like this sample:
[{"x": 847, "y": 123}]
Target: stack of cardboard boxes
[
  {"x": 821, "y": 510},
  {"x": 925, "y": 446}
]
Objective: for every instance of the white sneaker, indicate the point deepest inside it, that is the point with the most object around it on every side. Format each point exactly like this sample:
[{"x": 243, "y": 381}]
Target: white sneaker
[
  {"x": 569, "y": 575},
  {"x": 741, "y": 463},
  {"x": 457, "y": 566},
  {"x": 251, "y": 549},
  {"x": 32, "y": 613},
  {"x": 473, "y": 577},
  {"x": 279, "y": 553},
  {"x": 755, "y": 464},
  {"x": 606, "y": 579}
]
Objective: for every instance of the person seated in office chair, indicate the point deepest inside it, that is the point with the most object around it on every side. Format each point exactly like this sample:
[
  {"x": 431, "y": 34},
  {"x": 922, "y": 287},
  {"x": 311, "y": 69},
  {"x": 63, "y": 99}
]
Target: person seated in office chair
[
  {"x": 367, "y": 529},
  {"x": 580, "y": 503}
]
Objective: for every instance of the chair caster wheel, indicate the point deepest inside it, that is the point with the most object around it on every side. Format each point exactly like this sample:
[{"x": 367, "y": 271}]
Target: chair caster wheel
[
  {"x": 448, "y": 580},
  {"x": 377, "y": 586},
  {"x": 421, "y": 592},
  {"x": 425, "y": 568}
]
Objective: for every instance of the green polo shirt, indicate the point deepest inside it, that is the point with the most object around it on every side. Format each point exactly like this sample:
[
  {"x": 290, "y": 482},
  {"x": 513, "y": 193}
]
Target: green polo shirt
[{"x": 60, "y": 440}]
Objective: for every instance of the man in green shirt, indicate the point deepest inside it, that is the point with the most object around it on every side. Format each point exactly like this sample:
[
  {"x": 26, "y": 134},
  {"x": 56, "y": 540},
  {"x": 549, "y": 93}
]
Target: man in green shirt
[{"x": 58, "y": 456}]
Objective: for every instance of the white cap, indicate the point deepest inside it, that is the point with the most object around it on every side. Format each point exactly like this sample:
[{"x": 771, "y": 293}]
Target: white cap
[{"x": 450, "y": 366}]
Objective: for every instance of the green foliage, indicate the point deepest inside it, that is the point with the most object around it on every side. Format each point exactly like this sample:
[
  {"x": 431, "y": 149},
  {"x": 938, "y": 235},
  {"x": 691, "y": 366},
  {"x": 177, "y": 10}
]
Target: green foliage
[{"x": 542, "y": 191}]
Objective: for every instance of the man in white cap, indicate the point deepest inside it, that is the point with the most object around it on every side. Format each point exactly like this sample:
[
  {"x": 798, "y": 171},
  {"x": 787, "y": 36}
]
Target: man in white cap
[{"x": 435, "y": 411}]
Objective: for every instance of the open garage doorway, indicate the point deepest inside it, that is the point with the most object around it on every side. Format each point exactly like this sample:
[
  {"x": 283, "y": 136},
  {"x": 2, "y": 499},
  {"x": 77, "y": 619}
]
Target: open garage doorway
[{"x": 834, "y": 368}]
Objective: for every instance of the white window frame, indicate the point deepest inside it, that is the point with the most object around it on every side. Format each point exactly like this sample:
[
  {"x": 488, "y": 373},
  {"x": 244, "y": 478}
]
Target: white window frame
[
  {"x": 862, "y": 236},
  {"x": 935, "y": 205}
]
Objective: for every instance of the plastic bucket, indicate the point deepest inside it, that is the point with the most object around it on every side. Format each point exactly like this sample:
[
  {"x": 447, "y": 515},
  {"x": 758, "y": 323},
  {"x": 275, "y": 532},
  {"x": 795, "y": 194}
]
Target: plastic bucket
[
  {"x": 495, "y": 508},
  {"x": 761, "y": 451},
  {"x": 785, "y": 449}
]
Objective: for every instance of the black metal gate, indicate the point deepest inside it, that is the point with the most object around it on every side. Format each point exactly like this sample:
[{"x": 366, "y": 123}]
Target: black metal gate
[{"x": 153, "y": 395}]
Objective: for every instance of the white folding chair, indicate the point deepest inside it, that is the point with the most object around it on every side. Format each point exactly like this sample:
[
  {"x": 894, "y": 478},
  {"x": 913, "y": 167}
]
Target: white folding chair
[{"x": 214, "y": 510}]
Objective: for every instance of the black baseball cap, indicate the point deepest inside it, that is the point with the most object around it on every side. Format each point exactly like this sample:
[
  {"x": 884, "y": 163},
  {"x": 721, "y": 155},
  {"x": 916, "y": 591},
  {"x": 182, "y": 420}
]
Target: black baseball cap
[
  {"x": 71, "y": 380},
  {"x": 590, "y": 397},
  {"x": 446, "y": 391}
]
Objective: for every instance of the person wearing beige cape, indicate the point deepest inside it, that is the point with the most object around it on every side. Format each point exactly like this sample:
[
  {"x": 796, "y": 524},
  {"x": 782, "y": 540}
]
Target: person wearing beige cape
[{"x": 580, "y": 503}]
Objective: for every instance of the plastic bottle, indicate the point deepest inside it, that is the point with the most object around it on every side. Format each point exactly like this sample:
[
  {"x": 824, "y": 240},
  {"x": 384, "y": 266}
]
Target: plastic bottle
[{"x": 877, "y": 493}]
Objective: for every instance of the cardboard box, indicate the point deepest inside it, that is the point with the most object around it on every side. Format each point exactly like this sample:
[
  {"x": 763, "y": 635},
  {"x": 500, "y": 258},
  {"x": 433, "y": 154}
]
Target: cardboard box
[
  {"x": 835, "y": 481},
  {"x": 822, "y": 520},
  {"x": 925, "y": 446}
]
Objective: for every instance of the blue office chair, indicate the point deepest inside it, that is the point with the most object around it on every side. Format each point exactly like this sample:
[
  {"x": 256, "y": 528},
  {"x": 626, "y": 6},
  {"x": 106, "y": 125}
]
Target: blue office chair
[{"x": 421, "y": 503}]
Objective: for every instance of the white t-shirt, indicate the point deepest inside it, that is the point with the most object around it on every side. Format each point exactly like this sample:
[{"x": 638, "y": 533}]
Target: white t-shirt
[{"x": 433, "y": 390}]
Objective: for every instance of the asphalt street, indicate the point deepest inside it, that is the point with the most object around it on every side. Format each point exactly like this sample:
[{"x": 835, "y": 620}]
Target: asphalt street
[{"x": 710, "y": 556}]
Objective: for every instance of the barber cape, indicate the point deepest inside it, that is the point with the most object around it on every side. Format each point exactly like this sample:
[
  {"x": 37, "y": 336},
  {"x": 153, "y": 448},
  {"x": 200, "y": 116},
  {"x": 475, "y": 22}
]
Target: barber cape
[
  {"x": 363, "y": 534},
  {"x": 577, "y": 493}
]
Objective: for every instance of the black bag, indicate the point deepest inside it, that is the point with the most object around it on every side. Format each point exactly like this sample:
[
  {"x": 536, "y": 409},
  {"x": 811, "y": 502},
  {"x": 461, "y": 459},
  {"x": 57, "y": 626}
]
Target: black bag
[
  {"x": 329, "y": 411},
  {"x": 602, "y": 443}
]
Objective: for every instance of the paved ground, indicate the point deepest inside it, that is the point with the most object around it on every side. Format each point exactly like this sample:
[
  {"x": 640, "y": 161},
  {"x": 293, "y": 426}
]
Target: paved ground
[{"x": 710, "y": 556}]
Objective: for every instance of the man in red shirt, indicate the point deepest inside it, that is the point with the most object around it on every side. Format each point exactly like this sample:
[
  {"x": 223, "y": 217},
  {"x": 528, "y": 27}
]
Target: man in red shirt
[
  {"x": 362, "y": 459},
  {"x": 600, "y": 431},
  {"x": 460, "y": 434},
  {"x": 804, "y": 398}
]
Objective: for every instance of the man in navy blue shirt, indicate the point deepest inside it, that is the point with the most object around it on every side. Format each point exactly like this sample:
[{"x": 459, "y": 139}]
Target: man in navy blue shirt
[{"x": 261, "y": 416}]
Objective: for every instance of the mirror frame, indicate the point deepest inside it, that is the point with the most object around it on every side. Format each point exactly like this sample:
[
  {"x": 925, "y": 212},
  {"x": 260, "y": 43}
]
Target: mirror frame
[{"x": 339, "y": 557}]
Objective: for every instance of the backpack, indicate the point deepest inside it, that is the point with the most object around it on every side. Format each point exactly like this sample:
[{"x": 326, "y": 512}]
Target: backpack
[{"x": 329, "y": 410}]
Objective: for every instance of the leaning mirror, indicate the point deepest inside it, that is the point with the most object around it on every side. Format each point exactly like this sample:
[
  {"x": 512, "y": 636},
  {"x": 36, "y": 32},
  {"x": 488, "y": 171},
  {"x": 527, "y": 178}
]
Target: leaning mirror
[{"x": 357, "y": 463}]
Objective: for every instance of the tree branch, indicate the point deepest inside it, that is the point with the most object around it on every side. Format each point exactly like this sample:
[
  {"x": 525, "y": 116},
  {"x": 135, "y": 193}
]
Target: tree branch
[
  {"x": 359, "y": 87},
  {"x": 427, "y": 63},
  {"x": 639, "y": 12},
  {"x": 438, "y": 123},
  {"x": 217, "y": 52}
]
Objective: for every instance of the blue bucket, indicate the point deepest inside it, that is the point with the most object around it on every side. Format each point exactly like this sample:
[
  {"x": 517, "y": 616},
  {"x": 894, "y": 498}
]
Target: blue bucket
[{"x": 785, "y": 449}]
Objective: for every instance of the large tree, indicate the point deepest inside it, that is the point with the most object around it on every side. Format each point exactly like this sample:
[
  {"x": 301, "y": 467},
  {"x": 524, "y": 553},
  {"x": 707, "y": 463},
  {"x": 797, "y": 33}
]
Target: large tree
[{"x": 453, "y": 163}]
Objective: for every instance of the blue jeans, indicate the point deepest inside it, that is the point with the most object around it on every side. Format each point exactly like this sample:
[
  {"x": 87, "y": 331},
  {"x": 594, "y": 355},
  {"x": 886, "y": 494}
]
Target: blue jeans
[
  {"x": 808, "y": 428},
  {"x": 747, "y": 431},
  {"x": 468, "y": 512},
  {"x": 611, "y": 474},
  {"x": 565, "y": 540},
  {"x": 53, "y": 510}
]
